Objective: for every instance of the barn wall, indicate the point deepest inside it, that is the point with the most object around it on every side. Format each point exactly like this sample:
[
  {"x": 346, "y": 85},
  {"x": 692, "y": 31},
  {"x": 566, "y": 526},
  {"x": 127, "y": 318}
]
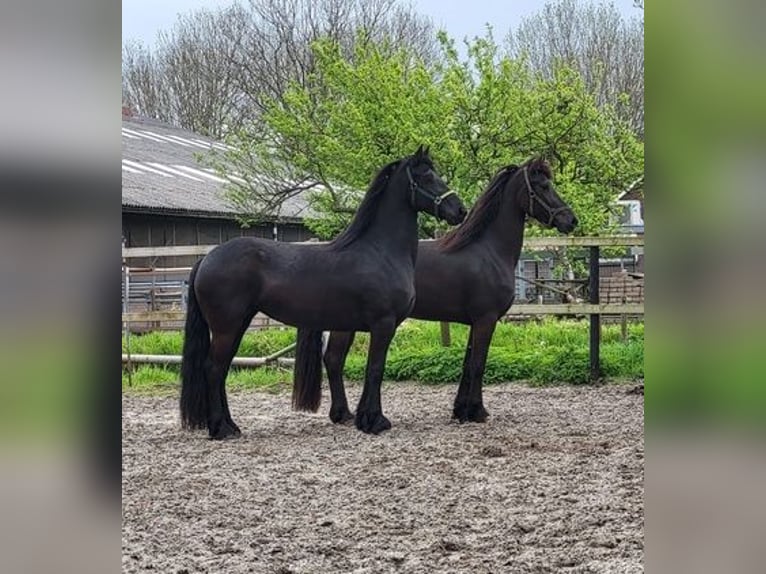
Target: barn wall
[{"x": 153, "y": 230}]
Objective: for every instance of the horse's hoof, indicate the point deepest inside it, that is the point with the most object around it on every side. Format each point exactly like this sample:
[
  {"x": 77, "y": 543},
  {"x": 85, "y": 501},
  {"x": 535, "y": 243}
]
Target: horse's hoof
[
  {"x": 226, "y": 430},
  {"x": 478, "y": 415},
  {"x": 341, "y": 416},
  {"x": 372, "y": 422},
  {"x": 470, "y": 412},
  {"x": 233, "y": 425}
]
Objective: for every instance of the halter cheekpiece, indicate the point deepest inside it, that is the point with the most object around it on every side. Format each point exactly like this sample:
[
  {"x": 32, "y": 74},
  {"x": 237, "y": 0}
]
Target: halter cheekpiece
[
  {"x": 534, "y": 197},
  {"x": 416, "y": 188}
]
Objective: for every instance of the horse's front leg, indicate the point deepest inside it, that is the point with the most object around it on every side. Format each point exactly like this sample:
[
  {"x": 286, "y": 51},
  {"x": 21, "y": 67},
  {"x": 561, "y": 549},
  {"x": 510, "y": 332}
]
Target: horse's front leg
[
  {"x": 369, "y": 413},
  {"x": 470, "y": 406},
  {"x": 465, "y": 381}
]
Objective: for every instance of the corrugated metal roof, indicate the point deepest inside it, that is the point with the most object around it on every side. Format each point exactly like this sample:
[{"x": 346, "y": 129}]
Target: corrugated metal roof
[{"x": 160, "y": 173}]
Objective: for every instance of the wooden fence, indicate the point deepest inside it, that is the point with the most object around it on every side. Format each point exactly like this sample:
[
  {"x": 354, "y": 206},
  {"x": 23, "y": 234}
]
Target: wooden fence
[{"x": 594, "y": 308}]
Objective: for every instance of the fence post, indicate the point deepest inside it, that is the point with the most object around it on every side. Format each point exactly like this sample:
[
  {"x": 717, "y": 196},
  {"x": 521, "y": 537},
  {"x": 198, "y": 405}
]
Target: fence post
[
  {"x": 126, "y": 308},
  {"x": 446, "y": 338},
  {"x": 595, "y": 319},
  {"x": 153, "y": 300}
]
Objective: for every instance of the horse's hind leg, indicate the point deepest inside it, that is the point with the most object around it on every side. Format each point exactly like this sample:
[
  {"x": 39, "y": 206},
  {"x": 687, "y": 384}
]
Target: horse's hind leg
[
  {"x": 465, "y": 381},
  {"x": 224, "y": 399},
  {"x": 334, "y": 360},
  {"x": 223, "y": 346}
]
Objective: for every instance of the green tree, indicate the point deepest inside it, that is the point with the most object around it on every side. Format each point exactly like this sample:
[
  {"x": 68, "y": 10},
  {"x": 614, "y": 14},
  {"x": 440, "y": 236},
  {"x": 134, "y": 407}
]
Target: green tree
[
  {"x": 505, "y": 113},
  {"x": 326, "y": 137},
  {"x": 332, "y": 133}
]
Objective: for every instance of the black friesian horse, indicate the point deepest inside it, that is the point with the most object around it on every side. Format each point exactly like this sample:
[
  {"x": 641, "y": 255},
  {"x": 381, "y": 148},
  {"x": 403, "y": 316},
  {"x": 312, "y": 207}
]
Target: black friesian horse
[
  {"x": 468, "y": 277},
  {"x": 361, "y": 281}
]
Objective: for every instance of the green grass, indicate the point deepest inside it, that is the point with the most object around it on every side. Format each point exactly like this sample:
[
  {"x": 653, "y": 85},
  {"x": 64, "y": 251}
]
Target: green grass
[
  {"x": 151, "y": 379},
  {"x": 552, "y": 351},
  {"x": 549, "y": 352},
  {"x": 254, "y": 344}
]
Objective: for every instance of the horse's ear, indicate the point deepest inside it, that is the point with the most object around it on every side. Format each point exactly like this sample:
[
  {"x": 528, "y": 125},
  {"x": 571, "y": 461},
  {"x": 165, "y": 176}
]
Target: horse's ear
[
  {"x": 427, "y": 151},
  {"x": 419, "y": 151},
  {"x": 541, "y": 166}
]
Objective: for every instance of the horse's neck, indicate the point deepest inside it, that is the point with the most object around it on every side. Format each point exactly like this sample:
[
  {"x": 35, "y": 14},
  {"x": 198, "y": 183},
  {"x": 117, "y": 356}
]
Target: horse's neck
[
  {"x": 506, "y": 233},
  {"x": 395, "y": 223}
]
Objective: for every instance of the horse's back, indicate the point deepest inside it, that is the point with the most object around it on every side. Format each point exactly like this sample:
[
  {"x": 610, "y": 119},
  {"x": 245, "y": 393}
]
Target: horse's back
[
  {"x": 302, "y": 284},
  {"x": 336, "y": 290}
]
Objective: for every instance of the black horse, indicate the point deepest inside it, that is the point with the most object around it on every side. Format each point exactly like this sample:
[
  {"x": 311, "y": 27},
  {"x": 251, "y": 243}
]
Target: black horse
[
  {"x": 361, "y": 281},
  {"x": 468, "y": 277}
]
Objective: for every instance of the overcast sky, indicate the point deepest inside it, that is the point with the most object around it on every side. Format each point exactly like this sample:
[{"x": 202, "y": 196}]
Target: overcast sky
[{"x": 142, "y": 19}]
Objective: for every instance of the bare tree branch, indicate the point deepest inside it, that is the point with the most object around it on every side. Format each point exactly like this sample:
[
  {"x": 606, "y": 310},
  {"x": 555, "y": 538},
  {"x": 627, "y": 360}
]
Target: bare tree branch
[{"x": 606, "y": 49}]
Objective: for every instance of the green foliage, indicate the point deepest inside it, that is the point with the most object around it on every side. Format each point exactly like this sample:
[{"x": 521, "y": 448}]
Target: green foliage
[
  {"x": 150, "y": 378},
  {"x": 357, "y": 113},
  {"x": 165, "y": 380},
  {"x": 550, "y": 352},
  {"x": 254, "y": 344},
  {"x": 154, "y": 343},
  {"x": 568, "y": 364},
  {"x": 266, "y": 342}
]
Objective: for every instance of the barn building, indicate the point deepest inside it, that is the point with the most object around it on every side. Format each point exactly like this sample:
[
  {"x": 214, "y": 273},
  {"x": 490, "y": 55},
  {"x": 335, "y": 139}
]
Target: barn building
[{"x": 169, "y": 199}]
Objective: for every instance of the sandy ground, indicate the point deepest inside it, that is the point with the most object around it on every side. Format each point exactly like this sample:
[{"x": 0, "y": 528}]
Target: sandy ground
[{"x": 553, "y": 482}]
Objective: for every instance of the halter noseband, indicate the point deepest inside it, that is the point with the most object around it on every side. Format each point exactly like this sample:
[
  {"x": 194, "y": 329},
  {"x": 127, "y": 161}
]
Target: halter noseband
[
  {"x": 415, "y": 187},
  {"x": 533, "y": 196}
]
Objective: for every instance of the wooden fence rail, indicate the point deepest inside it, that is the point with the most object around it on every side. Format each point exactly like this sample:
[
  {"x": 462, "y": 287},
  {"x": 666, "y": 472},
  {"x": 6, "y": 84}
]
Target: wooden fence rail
[
  {"x": 593, "y": 307},
  {"x": 531, "y": 243},
  {"x": 520, "y": 309}
]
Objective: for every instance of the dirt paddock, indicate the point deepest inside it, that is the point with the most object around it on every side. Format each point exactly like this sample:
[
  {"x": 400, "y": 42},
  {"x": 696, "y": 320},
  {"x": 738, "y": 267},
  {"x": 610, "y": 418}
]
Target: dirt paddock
[{"x": 553, "y": 482}]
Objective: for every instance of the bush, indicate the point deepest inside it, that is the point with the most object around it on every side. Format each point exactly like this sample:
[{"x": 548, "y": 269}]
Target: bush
[
  {"x": 552, "y": 351},
  {"x": 549, "y": 352}
]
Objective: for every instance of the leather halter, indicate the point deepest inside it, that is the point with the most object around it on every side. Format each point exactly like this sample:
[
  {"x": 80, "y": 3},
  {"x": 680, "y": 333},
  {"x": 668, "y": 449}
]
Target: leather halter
[
  {"x": 416, "y": 188},
  {"x": 534, "y": 197}
]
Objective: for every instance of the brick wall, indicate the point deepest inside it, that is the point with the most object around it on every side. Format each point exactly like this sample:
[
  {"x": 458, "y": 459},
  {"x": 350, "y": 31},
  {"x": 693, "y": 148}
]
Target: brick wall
[{"x": 621, "y": 288}]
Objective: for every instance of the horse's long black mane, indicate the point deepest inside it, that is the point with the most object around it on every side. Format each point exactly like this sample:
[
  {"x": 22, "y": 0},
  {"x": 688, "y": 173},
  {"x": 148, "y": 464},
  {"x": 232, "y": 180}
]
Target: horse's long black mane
[
  {"x": 368, "y": 207},
  {"x": 487, "y": 207},
  {"x": 483, "y": 213}
]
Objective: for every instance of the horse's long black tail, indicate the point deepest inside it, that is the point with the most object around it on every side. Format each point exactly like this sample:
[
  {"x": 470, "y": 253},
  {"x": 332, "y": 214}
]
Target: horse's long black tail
[
  {"x": 194, "y": 399},
  {"x": 307, "y": 377}
]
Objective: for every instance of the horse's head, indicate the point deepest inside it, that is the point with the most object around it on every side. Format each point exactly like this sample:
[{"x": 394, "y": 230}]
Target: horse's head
[
  {"x": 428, "y": 192},
  {"x": 541, "y": 200}
]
